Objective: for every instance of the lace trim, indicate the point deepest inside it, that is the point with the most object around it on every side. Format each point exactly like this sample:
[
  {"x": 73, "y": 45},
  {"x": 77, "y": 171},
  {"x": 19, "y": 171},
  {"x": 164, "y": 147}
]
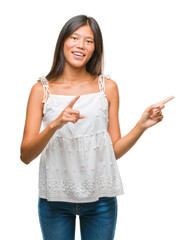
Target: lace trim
[
  {"x": 85, "y": 190},
  {"x": 45, "y": 85},
  {"x": 101, "y": 82}
]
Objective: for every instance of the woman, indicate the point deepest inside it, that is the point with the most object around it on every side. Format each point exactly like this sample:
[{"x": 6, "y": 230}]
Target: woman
[{"x": 81, "y": 141}]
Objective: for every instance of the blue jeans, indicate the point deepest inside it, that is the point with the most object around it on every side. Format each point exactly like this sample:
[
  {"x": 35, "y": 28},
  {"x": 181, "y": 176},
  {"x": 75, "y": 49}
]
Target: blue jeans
[{"x": 97, "y": 219}]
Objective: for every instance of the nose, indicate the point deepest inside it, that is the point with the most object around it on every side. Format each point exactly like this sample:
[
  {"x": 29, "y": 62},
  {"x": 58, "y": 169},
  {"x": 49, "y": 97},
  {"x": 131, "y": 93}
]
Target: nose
[{"x": 80, "y": 44}]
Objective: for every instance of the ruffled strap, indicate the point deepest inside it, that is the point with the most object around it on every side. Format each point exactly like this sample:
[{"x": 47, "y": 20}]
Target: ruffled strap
[
  {"x": 101, "y": 82},
  {"x": 45, "y": 85}
]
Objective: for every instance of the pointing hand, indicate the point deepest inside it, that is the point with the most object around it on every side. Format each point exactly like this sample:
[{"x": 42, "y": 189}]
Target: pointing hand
[
  {"x": 153, "y": 115},
  {"x": 68, "y": 115}
]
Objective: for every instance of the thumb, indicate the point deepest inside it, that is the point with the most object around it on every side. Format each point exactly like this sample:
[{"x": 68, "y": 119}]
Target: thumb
[{"x": 152, "y": 107}]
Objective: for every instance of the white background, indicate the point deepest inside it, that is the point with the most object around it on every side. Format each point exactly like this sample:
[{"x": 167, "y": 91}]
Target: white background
[{"x": 149, "y": 52}]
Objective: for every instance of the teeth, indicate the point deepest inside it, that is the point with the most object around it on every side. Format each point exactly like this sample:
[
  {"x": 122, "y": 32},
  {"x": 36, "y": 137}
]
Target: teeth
[{"x": 79, "y": 54}]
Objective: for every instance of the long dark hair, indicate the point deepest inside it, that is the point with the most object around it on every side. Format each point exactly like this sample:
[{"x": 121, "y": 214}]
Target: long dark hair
[{"x": 95, "y": 64}]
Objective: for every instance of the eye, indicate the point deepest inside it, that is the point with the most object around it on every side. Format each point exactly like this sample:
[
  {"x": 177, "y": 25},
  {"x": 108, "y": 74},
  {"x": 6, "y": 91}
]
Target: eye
[
  {"x": 89, "y": 41},
  {"x": 74, "y": 38}
]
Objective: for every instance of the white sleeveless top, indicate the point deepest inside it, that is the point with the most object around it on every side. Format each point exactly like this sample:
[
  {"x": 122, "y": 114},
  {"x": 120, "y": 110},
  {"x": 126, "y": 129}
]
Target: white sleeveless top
[{"x": 78, "y": 164}]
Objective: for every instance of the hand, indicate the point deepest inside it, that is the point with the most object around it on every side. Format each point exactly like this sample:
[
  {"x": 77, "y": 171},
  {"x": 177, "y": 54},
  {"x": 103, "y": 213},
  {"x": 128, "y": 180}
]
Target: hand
[
  {"x": 153, "y": 115},
  {"x": 68, "y": 115}
]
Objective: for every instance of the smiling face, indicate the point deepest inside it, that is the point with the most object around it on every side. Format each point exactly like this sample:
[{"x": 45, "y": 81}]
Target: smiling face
[{"x": 79, "y": 47}]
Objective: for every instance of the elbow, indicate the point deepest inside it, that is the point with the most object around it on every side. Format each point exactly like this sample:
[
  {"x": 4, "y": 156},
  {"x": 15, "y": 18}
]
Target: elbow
[
  {"x": 117, "y": 156},
  {"x": 117, "y": 151},
  {"x": 25, "y": 159}
]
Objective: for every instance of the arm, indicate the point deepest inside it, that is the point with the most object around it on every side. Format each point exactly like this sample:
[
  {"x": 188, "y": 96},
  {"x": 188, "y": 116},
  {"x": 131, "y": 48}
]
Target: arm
[
  {"x": 151, "y": 116},
  {"x": 124, "y": 144},
  {"x": 34, "y": 142},
  {"x": 121, "y": 145}
]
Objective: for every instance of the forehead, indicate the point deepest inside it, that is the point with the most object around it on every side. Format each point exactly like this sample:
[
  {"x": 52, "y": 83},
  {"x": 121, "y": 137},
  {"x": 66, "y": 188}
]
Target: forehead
[{"x": 84, "y": 31}]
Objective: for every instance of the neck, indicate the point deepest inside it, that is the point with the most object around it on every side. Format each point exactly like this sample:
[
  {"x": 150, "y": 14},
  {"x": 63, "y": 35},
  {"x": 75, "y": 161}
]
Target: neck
[{"x": 74, "y": 74}]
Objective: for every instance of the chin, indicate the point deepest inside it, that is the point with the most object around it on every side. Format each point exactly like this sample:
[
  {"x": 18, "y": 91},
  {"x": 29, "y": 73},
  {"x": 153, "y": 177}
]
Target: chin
[{"x": 78, "y": 65}]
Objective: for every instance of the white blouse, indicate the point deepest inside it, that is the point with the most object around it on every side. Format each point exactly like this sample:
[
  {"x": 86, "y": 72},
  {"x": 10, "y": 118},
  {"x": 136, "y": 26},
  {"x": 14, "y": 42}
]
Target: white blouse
[{"x": 78, "y": 164}]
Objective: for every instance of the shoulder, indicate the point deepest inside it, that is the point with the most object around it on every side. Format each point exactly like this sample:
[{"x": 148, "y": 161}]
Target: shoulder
[
  {"x": 110, "y": 84},
  {"x": 111, "y": 89},
  {"x": 37, "y": 91},
  {"x": 37, "y": 88}
]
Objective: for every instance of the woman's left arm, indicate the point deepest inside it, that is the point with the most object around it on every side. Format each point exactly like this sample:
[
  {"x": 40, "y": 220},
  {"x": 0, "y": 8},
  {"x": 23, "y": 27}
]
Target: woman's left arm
[{"x": 151, "y": 116}]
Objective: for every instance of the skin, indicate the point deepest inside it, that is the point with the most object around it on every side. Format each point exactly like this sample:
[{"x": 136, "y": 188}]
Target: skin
[{"x": 76, "y": 81}]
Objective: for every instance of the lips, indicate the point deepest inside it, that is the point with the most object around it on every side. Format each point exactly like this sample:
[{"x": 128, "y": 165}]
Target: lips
[{"x": 80, "y": 54}]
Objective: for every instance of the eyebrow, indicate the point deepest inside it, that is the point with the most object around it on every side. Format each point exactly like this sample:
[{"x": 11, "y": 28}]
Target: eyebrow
[{"x": 80, "y": 35}]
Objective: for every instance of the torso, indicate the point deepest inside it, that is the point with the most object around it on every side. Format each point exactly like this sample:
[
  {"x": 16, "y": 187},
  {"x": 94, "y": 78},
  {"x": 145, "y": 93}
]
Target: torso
[{"x": 78, "y": 164}]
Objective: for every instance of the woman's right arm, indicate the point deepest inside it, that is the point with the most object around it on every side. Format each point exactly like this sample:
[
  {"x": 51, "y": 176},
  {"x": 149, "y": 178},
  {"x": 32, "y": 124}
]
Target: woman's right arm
[{"x": 34, "y": 142}]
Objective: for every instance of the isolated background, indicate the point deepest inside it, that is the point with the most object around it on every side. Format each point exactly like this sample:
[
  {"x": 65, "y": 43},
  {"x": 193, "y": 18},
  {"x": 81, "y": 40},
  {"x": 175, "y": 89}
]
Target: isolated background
[{"x": 149, "y": 52}]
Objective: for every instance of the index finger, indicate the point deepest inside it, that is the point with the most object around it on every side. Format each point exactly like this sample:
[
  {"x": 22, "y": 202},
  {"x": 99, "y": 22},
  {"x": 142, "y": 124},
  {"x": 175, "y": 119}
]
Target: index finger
[
  {"x": 71, "y": 104},
  {"x": 165, "y": 101}
]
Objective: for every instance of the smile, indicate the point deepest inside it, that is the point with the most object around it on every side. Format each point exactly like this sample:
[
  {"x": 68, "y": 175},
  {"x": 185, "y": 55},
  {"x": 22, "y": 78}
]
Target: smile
[{"x": 78, "y": 54}]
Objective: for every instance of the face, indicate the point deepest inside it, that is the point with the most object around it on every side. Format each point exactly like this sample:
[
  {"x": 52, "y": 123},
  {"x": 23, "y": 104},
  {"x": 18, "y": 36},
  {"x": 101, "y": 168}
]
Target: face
[{"x": 79, "y": 47}]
